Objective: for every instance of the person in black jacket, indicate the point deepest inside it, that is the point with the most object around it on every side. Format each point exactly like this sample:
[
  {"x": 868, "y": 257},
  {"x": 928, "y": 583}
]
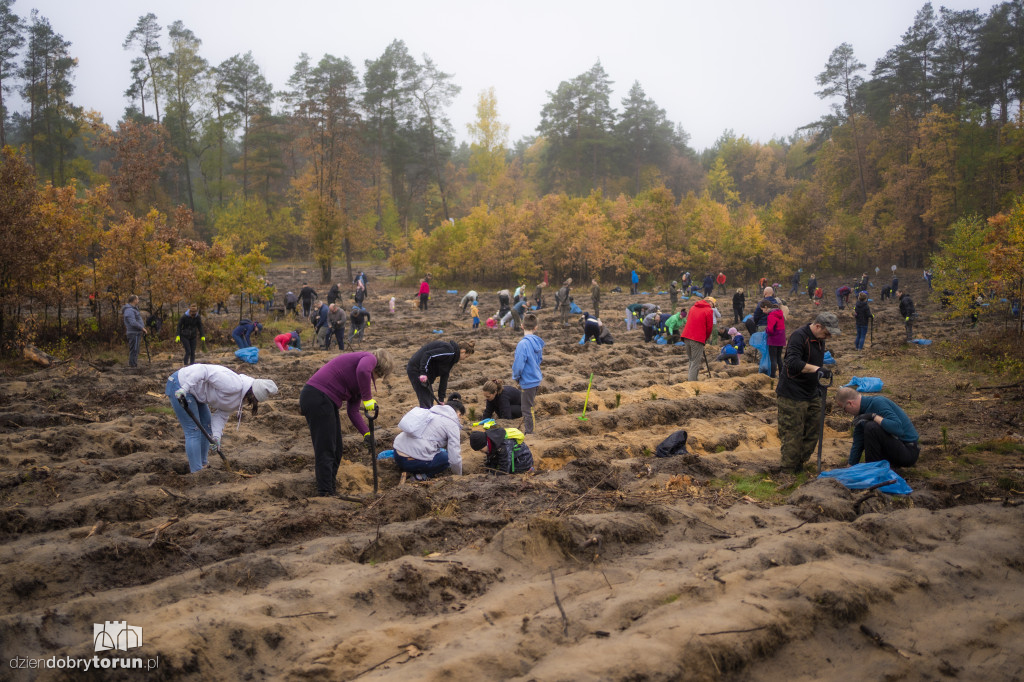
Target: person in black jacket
[
  {"x": 360, "y": 319},
  {"x": 907, "y": 312},
  {"x": 799, "y": 400},
  {"x": 503, "y": 402},
  {"x": 709, "y": 284},
  {"x": 435, "y": 361},
  {"x": 862, "y": 312},
  {"x": 332, "y": 295},
  {"x": 190, "y": 332},
  {"x": 306, "y": 295},
  {"x": 812, "y": 284},
  {"x": 739, "y": 302}
]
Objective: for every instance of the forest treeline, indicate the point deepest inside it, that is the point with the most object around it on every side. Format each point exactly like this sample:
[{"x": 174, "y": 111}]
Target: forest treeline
[{"x": 349, "y": 160}]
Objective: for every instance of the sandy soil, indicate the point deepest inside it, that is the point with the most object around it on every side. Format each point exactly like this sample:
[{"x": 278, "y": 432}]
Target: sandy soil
[{"x": 608, "y": 564}]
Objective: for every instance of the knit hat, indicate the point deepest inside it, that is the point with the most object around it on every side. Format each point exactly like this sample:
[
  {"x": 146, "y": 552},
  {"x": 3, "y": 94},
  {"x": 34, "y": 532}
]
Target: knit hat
[
  {"x": 477, "y": 440},
  {"x": 732, "y": 331},
  {"x": 263, "y": 389}
]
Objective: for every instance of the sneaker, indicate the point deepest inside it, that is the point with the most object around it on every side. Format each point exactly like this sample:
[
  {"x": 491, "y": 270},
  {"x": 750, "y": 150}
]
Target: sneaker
[{"x": 421, "y": 477}]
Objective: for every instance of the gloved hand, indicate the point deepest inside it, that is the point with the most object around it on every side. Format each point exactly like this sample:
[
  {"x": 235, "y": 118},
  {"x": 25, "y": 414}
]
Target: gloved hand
[
  {"x": 215, "y": 445},
  {"x": 825, "y": 373},
  {"x": 906, "y": 319},
  {"x": 368, "y": 405},
  {"x": 202, "y": 338},
  {"x": 177, "y": 339},
  {"x": 180, "y": 393},
  {"x": 366, "y": 437},
  {"x": 367, "y": 323},
  {"x": 864, "y": 417},
  {"x": 423, "y": 379}
]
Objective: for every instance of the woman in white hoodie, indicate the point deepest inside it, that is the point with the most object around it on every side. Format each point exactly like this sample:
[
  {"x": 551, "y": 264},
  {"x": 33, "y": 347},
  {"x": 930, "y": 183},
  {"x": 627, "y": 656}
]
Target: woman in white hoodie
[
  {"x": 213, "y": 393},
  {"x": 430, "y": 440}
]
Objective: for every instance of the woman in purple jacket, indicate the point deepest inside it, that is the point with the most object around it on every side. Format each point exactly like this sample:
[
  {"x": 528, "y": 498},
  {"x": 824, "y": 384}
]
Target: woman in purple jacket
[
  {"x": 345, "y": 379},
  {"x": 776, "y": 334}
]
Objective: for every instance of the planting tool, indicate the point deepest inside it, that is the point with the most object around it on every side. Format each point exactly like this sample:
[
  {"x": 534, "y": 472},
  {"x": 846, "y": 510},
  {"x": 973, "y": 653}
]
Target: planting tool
[
  {"x": 372, "y": 443},
  {"x": 199, "y": 425},
  {"x": 706, "y": 363},
  {"x": 145, "y": 340},
  {"x": 586, "y": 401},
  {"x": 823, "y": 392}
]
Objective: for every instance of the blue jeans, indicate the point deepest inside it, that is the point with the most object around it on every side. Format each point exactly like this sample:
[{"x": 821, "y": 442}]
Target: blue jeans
[
  {"x": 242, "y": 341},
  {"x": 862, "y": 333},
  {"x": 418, "y": 466},
  {"x": 196, "y": 445}
]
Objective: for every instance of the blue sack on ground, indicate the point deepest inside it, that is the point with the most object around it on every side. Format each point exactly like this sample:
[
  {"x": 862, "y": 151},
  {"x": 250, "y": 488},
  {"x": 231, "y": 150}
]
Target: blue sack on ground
[
  {"x": 533, "y": 307},
  {"x": 386, "y": 454},
  {"x": 453, "y": 291},
  {"x": 697, "y": 294},
  {"x": 438, "y": 331},
  {"x": 922, "y": 342},
  {"x": 679, "y": 343},
  {"x": 866, "y": 384},
  {"x": 829, "y": 360},
  {"x": 867, "y": 474},
  {"x": 759, "y": 341},
  {"x": 250, "y": 354},
  {"x": 573, "y": 308},
  {"x": 583, "y": 339},
  {"x": 660, "y": 340},
  {"x": 748, "y": 318}
]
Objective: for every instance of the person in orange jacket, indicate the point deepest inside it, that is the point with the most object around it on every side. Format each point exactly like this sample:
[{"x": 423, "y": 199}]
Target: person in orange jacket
[{"x": 700, "y": 323}]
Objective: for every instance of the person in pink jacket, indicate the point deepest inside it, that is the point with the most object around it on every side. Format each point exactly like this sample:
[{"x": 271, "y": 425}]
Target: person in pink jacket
[
  {"x": 424, "y": 293},
  {"x": 775, "y": 334},
  {"x": 700, "y": 323}
]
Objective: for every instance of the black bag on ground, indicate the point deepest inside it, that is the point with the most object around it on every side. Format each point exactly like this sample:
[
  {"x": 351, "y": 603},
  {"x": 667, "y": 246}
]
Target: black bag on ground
[{"x": 673, "y": 445}]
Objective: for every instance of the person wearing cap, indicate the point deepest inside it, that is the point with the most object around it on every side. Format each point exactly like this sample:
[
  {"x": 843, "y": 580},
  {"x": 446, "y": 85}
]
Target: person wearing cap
[
  {"x": 700, "y": 323},
  {"x": 343, "y": 379},
  {"x": 213, "y": 393},
  {"x": 799, "y": 400},
  {"x": 881, "y": 429},
  {"x": 288, "y": 341},
  {"x": 242, "y": 334}
]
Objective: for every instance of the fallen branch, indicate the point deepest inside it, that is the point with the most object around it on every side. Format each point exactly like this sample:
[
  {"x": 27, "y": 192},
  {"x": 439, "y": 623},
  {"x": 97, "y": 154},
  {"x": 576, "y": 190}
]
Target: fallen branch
[
  {"x": 157, "y": 529},
  {"x": 877, "y": 639},
  {"x": 558, "y": 603},
  {"x": 994, "y": 388},
  {"x": 731, "y": 632},
  {"x": 97, "y": 528},
  {"x": 170, "y": 493},
  {"x": 310, "y": 613},
  {"x": 403, "y": 648}
]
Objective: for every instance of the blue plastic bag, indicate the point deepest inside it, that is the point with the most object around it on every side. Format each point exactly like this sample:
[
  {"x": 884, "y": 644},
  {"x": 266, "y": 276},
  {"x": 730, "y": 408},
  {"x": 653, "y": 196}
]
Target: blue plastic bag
[
  {"x": 453, "y": 291},
  {"x": 867, "y": 474},
  {"x": 829, "y": 360},
  {"x": 866, "y": 384},
  {"x": 759, "y": 341},
  {"x": 386, "y": 454},
  {"x": 573, "y": 308},
  {"x": 583, "y": 339},
  {"x": 438, "y": 331},
  {"x": 748, "y": 318},
  {"x": 698, "y": 294},
  {"x": 250, "y": 354},
  {"x": 922, "y": 342},
  {"x": 660, "y": 340},
  {"x": 645, "y": 293}
]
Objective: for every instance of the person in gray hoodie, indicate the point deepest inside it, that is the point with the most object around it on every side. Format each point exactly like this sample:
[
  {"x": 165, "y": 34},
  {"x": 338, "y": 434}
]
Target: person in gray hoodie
[
  {"x": 134, "y": 328},
  {"x": 430, "y": 441}
]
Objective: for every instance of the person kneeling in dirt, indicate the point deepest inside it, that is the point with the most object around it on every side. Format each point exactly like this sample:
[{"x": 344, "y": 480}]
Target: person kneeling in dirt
[
  {"x": 288, "y": 341},
  {"x": 344, "y": 379},
  {"x": 881, "y": 429},
  {"x": 504, "y": 402},
  {"x": 593, "y": 329},
  {"x": 650, "y": 325},
  {"x": 216, "y": 388},
  {"x": 506, "y": 451},
  {"x": 430, "y": 440},
  {"x": 435, "y": 360},
  {"x": 243, "y": 333},
  {"x": 733, "y": 349}
]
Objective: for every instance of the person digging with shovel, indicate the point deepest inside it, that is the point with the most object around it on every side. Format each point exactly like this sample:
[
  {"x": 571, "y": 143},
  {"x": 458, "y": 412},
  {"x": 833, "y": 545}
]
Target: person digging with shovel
[
  {"x": 204, "y": 397},
  {"x": 344, "y": 379},
  {"x": 800, "y": 399}
]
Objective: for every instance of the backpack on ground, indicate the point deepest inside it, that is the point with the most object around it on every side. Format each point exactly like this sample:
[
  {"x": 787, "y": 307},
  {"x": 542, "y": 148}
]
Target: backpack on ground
[
  {"x": 673, "y": 445},
  {"x": 508, "y": 452}
]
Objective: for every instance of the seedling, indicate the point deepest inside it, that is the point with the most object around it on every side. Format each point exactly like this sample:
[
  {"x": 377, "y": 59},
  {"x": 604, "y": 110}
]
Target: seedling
[
  {"x": 618, "y": 400},
  {"x": 583, "y": 417},
  {"x": 472, "y": 414},
  {"x": 654, "y": 396}
]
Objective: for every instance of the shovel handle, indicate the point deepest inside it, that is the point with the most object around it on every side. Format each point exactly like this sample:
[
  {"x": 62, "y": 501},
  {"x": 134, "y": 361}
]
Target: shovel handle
[{"x": 371, "y": 417}]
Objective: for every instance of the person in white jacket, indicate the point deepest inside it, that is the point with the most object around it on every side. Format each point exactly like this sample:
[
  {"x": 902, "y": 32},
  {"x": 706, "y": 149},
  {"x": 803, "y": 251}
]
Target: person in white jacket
[
  {"x": 430, "y": 440},
  {"x": 213, "y": 394}
]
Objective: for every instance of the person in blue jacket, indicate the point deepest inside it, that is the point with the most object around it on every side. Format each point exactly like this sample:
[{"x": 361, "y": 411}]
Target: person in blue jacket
[
  {"x": 634, "y": 283},
  {"x": 242, "y": 334},
  {"x": 526, "y": 368},
  {"x": 881, "y": 429}
]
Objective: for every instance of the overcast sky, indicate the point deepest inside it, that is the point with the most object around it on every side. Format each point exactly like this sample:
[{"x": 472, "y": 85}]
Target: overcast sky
[{"x": 745, "y": 65}]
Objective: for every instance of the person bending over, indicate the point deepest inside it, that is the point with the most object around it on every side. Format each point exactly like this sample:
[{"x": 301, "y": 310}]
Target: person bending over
[{"x": 881, "y": 429}]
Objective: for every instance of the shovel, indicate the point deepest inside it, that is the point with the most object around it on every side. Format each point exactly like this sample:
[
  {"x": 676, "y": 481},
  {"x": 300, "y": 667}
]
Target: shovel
[
  {"x": 823, "y": 391},
  {"x": 188, "y": 411},
  {"x": 372, "y": 444}
]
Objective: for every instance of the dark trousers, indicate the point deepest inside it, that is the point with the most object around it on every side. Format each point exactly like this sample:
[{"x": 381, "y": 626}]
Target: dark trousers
[
  {"x": 648, "y": 333},
  {"x": 325, "y": 429},
  {"x": 423, "y": 301},
  {"x": 879, "y": 444},
  {"x": 306, "y": 306},
  {"x": 737, "y": 314},
  {"x": 419, "y": 466},
  {"x": 423, "y": 393},
  {"x": 775, "y": 356},
  {"x": 190, "y": 350},
  {"x": 134, "y": 341},
  {"x": 338, "y": 331}
]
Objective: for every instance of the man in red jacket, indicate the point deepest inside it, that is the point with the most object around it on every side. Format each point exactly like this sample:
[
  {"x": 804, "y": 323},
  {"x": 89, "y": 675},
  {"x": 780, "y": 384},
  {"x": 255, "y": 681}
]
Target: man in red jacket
[
  {"x": 721, "y": 282},
  {"x": 700, "y": 322}
]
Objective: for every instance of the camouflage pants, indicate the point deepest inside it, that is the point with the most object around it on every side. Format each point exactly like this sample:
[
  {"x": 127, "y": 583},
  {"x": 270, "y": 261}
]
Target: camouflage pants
[{"x": 798, "y": 429}]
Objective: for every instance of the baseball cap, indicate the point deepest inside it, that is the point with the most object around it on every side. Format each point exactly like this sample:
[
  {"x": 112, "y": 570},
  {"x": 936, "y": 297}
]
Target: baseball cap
[{"x": 829, "y": 321}]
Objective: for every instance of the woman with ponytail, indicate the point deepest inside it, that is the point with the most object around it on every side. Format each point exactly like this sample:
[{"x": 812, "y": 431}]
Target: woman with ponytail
[{"x": 503, "y": 402}]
